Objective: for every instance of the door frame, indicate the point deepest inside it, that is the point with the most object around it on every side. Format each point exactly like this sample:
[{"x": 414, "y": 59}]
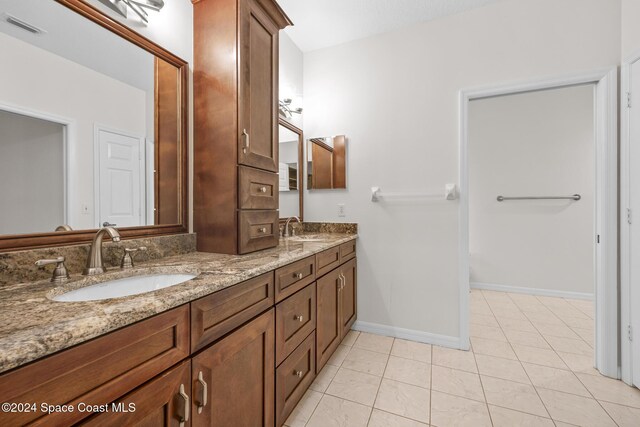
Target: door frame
[
  {"x": 606, "y": 144},
  {"x": 68, "y": 143},
  {"x": 96, "y": 171},
  {"x": 626, "y": 347}
]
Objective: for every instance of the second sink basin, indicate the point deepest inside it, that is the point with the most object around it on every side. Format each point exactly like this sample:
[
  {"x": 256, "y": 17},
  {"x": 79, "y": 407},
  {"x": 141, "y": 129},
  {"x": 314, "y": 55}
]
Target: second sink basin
[{"x": 124, "y": 287}]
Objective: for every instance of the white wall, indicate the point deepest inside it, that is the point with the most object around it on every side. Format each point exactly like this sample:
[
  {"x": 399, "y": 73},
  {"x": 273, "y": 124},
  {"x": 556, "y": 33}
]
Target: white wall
[
  {"x": 31, "y": 174},
  {"x": 533, "y": 144},
  {"x": 80, "y": 95},
  {"x": 171, "y": 28},
  {"x": 395, "y": 96},
  {"x": 291, "y": 75},
  {"x": 630, "y": 28}
]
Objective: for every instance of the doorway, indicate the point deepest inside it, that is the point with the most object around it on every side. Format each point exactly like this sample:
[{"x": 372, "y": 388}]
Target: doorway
[{"x": 604, "y": 198}]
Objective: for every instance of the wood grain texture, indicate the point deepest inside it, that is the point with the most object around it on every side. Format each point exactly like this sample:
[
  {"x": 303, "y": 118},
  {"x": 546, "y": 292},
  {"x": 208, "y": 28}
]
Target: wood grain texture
[
  {"x": 328, "y": 326},
  {"x": 295, "y": 276},
  {"x": 348, "y": 296},
  {"x": 327, "y": 260},
  {"x": 257, "y": 230},
  {"x": 293, "y": 378},
  {"x": 339, "y": 162},
  {"x": 156, "y": 403},
  {"x": 98, "y": 371},
  {"x": 295, "y": 319},
  {"x": 347, "y": 251},
  {"x": 240, "y": 373},
  {"x": 258, "y": 189},
  {"x": 217, "y": 314}
]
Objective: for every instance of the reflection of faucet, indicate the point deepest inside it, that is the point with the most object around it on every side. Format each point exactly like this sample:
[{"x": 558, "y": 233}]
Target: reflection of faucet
[
  {"x": 94, "y": 262},
  {"x": 286, "y": 226},
  {"x": 64, "y": 227}
]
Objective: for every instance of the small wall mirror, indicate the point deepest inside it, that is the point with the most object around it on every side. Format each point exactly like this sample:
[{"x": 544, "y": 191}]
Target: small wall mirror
[
  {"x": 291, "y": 170},
  {"x": 92, "y": 124},
  {"x": 327, "y": 162}
]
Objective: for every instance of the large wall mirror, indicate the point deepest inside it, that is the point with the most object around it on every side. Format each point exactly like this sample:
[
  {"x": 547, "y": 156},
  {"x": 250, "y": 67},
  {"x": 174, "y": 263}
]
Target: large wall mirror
[
  {"x": 327, "y": 162},
  {"x": 92, "y": 127},
  {"x": 291, "y": 170}
]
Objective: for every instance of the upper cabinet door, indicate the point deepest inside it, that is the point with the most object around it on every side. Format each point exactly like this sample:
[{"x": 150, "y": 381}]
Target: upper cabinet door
[{"x": 258, "y": 88}]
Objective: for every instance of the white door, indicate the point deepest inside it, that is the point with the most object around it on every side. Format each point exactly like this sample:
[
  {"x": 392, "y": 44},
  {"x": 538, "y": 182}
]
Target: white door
[
  {"x": 119, "y": 194},
  {"x": 634, "y": 204}
]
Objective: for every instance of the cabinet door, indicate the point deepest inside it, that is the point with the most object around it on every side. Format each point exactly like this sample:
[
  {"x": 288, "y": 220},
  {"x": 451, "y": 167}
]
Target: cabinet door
[
  {"x": 258, "y": 88},
  {"x": 164, "y": 401},
  {"x": 233, "y": 380},
  {"x": 328, "y": 325},
  {"x": 348, "y": 299}
]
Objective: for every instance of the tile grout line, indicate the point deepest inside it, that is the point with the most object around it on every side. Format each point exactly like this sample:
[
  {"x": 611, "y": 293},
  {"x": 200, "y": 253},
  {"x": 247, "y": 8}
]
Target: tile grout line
[
  {"x": 572, "y": 372},
  {"x": 519, "y": 361},
  {"x": 430, "y": 383},
  {"x": 484, "y": 394},
  {"x": 373, "y": 405}
]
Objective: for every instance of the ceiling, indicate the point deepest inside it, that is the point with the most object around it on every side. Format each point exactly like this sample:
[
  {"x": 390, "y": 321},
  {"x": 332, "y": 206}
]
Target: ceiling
[
  {"x": 320, "y": 24},
  {"x": 80, "y": 40}
]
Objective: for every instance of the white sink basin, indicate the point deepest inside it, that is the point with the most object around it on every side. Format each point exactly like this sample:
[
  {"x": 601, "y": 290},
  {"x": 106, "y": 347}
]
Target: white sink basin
[{"x": 124, "y": 287}]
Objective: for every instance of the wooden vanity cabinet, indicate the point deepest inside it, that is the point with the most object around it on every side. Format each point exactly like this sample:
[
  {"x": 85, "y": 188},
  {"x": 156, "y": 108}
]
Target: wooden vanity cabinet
[
  {"x": 336, "y": 308},
  {"x": 163, "y": 402},
  {"x": 236, "y": 124},
  {"x": 237, "y": 376}
]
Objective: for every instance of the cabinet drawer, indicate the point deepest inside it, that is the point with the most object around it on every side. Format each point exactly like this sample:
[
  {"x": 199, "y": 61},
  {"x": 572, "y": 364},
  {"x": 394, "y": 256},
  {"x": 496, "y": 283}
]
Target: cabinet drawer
[
  {"x": 347, "y": 251},
  {"x": 293, "y": 277},
  {"x": 293, "y": 378},
  {"x": 295, "y": 320},
  {"x": 258, "y": 230},
  {"x": 215, "y": 315},
  {"x": 98, "y": 371},
  {"x": 257, "y": 189},
  {"x": 327, "y": 261}
]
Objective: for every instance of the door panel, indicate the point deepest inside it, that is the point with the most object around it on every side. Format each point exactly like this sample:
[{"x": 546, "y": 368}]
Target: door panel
[
  {"x": 348, "y": 296},
  {"x": 328, "y": 326},
  {"x": 239, "y": 373},
  {"x": 634, "y": 204},
  {"x": 120, "y": 191},
  {"x": 258, "y": 126}
]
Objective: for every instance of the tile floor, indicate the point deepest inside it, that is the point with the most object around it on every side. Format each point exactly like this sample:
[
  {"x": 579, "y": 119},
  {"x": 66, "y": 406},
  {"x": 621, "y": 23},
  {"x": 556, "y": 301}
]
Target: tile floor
[{"x": 530, "y": 365}]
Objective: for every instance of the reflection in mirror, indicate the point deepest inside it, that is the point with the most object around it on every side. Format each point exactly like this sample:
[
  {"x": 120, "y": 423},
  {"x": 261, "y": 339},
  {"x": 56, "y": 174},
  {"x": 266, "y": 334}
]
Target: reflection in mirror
[
  {"x": 327, "y": 162},
  {"x": 290, "y": 170},
  {"x": 90, "y": 125}
]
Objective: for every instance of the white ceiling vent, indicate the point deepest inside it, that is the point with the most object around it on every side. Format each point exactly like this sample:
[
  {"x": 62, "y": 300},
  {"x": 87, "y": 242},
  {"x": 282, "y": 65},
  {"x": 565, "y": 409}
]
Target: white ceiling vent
[{"x": 22, "y": 24}]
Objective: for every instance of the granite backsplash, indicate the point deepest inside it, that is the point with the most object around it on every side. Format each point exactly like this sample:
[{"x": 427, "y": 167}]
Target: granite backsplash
[{"x": 19, "y": 267}]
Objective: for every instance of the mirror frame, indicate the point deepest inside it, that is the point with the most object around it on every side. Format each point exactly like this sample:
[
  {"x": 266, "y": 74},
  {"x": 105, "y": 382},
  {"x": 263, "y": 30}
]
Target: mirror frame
[
  {"x": 12, "y": 242},
  {"x": 301, "y": 183}
]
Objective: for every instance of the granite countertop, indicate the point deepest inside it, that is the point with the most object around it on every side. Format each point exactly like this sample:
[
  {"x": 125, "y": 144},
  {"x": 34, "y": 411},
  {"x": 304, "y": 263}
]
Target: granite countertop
[{"x": 33, "y": 326}]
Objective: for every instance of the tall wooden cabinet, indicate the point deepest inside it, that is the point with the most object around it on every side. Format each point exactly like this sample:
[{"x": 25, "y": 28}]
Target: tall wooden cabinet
[{"x": 236, "y": 124}]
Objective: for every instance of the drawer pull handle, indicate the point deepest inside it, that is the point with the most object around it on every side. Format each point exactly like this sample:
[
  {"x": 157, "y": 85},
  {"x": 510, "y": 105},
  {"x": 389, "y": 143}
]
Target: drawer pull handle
[
  {"x": 299, "y": 318},
  {"x": 184, "y": 417},
  {"x": 297, "y": 374},
  {"x": 262, "y": 230},
  {"x": 245, "y": 134},
  {"x": 262, "y": 189},
  {"x": 297, "y": 276},
  {"x": 205, "y": 394}
]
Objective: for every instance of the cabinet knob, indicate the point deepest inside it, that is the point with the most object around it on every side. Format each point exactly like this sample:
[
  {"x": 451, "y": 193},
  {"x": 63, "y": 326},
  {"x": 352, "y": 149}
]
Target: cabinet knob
[
  {"x": 297, "y": 374},
  {"x": 262, "y": 230},
  {"x": 297, "y": 276},
  {"x": 262, "y": 189},
  {"x": 299, "y": 318}
]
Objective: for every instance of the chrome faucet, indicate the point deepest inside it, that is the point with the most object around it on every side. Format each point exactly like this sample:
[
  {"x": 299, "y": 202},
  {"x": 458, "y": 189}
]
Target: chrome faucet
[
  {"x": 286, "y": 226},
  {"x": 94, "y": 262}
]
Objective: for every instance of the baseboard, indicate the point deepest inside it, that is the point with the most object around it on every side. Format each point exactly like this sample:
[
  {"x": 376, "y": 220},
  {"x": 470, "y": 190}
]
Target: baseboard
[
  {"x": 531, "y": 291},
  {"x": 408, "y": 334}
]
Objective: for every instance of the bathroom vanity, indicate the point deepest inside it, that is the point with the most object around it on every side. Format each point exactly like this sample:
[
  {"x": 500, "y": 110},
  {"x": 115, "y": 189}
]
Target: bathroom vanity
[{"x": 237, "y": 345}]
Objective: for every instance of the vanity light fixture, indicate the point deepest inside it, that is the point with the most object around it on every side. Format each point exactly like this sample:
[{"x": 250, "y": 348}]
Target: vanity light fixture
[
  {"x": 137, "y": 6},
  {"x": 285, "y": 108}
]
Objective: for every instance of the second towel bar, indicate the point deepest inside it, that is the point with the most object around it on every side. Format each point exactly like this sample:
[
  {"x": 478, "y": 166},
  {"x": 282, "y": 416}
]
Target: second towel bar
[{"x": 575, "y": 197}]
